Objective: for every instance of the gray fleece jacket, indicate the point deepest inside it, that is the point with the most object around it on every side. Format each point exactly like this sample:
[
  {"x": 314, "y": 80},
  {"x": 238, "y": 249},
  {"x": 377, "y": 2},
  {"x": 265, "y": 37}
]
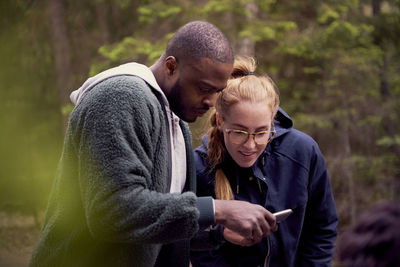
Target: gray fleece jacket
[{"x": 109, "y": 204}]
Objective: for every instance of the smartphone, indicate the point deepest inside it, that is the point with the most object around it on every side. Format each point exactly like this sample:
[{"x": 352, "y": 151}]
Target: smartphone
[{"x": 282, "y": 215}]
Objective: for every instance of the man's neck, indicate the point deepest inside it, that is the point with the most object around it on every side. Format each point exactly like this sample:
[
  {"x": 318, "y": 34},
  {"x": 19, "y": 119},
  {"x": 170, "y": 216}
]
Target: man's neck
[{"x": 156, "y": 68}]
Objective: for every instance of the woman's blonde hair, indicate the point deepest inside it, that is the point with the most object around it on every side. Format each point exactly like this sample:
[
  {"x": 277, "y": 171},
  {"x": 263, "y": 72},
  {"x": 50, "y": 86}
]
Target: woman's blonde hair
[{"x": 243, "y": 85}]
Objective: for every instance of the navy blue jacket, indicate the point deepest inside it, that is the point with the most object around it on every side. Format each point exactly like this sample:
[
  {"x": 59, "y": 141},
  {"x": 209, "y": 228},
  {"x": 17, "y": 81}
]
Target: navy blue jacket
[{"x": 290, "y": 174}]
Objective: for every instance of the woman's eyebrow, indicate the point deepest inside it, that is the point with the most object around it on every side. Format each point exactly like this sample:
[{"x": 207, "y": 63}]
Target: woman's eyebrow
[{"x": 261, "y": 128}]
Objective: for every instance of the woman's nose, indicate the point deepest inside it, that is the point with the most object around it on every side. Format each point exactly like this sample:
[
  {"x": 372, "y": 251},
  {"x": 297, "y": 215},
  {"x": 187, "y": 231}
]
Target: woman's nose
[{"x": 250, "y": 143}]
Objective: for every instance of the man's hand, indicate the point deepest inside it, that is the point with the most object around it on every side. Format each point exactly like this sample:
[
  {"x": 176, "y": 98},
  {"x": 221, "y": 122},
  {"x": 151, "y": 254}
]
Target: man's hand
[
  {"x": 252, "y": 222},
  {"x": 237, "y": 239}
]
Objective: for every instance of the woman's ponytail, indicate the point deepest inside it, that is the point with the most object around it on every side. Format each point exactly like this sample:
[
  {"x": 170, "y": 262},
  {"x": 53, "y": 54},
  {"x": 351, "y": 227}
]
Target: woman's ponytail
[{"x": 216, "y": 154}]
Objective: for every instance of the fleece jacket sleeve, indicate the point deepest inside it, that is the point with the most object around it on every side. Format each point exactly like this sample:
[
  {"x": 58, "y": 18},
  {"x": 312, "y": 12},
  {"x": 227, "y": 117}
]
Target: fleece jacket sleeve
[{"x": 118, "y": 133}]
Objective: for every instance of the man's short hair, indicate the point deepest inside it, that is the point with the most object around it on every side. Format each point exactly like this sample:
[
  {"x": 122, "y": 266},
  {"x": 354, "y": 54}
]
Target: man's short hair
[
  {"x": 375, "y": 239},
  {"x": 200, "y": 39}
]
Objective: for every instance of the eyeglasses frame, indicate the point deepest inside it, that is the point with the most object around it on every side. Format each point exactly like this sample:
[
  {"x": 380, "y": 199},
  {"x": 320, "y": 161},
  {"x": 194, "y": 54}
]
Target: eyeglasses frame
[{"x": 272, "y": 133}]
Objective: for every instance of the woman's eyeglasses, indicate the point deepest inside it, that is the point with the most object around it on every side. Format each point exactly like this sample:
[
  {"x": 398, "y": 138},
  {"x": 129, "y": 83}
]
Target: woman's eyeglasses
[{"x": 240, "y": 137}]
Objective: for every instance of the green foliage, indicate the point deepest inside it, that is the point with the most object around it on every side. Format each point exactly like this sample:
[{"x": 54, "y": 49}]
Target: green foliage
[
  {"x": 219, "y": 6},
  {"x": 124, "y": 4},
  {"x": 159, "y": 10},
  {"x": 343, "y": 34},
  {"x": 265, "y": 5},
  {"x": 299, "y": 46},
  {"x": 312, "y": 121},
  {"x": 285, "y": 26},
  {"x": 387, "y": 141},
  {"x": 327, "y": 14},
  {"x": 260, "y": 34},
  {"x": 130, "y": 49},
  {"x": 67, "y": 109}
]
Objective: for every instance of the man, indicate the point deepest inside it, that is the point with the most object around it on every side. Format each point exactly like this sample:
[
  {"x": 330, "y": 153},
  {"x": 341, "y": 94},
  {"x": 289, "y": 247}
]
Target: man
[{"x": 117, "y": 199}]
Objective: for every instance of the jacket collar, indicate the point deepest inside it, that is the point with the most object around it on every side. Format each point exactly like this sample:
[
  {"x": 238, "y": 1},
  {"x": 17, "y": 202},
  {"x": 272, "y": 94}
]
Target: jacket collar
[
  {"x": 283, "y": 123},
  {"x": 134, "y": 69}
]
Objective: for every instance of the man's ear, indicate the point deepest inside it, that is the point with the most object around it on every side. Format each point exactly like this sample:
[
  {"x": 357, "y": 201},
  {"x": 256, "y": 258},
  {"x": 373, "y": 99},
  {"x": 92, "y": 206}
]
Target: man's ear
[{"x": 171, "y": 66}]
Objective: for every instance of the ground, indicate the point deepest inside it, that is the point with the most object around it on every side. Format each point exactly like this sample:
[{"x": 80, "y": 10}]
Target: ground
[{"x": 18, "y": 235}]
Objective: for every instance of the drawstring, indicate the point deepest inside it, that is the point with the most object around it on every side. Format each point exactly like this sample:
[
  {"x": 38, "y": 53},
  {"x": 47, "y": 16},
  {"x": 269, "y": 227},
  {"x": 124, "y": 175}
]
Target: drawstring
[
  {"x": 259, "y": 185},
  {"x": 268, "y": 257},
  {"x": 237, "y": 181},
  {"x": 172, "y": 124}
]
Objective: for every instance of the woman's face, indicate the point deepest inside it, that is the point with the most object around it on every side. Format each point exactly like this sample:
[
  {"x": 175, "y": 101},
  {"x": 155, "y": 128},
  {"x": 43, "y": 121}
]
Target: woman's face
[{"x": 248, "y": 117}]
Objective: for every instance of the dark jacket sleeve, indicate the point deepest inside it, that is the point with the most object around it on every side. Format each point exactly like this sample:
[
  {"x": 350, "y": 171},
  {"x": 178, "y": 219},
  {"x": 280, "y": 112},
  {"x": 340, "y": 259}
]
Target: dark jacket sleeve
[
  {"x": 319, "y": 233},
  {"x": 205, "y": 206}
]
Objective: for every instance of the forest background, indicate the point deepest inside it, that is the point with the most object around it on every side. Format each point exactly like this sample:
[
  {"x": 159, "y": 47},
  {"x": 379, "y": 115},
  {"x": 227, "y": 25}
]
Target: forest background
[{"x": 336, "y": 63}]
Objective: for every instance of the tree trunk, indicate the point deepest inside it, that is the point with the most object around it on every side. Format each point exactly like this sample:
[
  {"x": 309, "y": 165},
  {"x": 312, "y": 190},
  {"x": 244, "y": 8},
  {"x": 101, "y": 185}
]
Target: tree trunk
[
  {"x": 376, "y": 7},
  {"x": 347, "y": 168},
  {"x": 386, "y": 96},
  {"x": 388, "y": 124},
  {"x": 247, "y": 46},
  {"x": 101, "y": 13},
  {"x": 61, "y": 49}
]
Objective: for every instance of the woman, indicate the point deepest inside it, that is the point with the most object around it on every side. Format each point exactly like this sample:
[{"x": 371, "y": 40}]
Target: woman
[{"x": 252, "y": 153}]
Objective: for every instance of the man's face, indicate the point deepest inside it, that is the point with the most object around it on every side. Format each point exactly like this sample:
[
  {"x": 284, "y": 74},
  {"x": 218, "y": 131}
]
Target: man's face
[{"x": 195, "y": 90}]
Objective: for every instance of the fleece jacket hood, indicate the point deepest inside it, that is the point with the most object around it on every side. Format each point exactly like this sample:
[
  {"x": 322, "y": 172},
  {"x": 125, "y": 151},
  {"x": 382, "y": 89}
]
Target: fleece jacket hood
[{"x": 134, "y": 69}]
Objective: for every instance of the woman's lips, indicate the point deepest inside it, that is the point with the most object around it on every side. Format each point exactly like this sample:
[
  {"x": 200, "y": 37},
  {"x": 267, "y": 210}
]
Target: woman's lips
[{"x": 247, "y": 154}]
